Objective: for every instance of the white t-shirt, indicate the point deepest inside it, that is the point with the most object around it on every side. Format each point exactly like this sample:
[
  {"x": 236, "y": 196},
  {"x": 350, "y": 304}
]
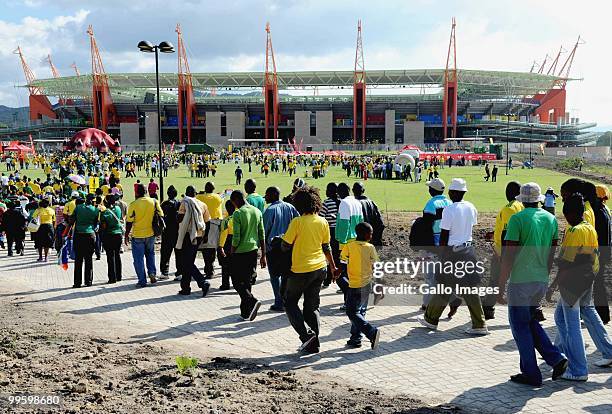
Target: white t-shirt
[
  {"x": 4, "y": 180},
  {"x": 458, "y": 219}
]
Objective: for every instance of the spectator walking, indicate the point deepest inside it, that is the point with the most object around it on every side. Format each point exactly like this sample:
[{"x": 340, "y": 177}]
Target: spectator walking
[
  {"x": 329, "y": 211},
  {"x": 456, "y": 228},
  {"x": 43, "y": 238},
  {"x": 578, "y": 265},
  {"x": 248, "y": 237},
  {"x": 276, "y": 220},
  {"x": 193, "y": 217},
  {"x": 14, "y": 225},
  {"x": 531, "y": 240},
  {"x": 360, "y": 256},
  {"x": 111, "y": 228},
  {"x": 225, "y": 246},
  {"x": 370, "y": 212},
  {"x": 432, "y": 214},
  {"x": 140, "y": 216},
  {"x": 152, "y": 188},
  {"x": 308, "y": 236},
  {"x": 253, "y": 198},
  {"x": 214, "y": 205},
  {"x": 85, "y": 221},
  {"x": 513, "y": 189},
  {"x": 169, "y": 236}
]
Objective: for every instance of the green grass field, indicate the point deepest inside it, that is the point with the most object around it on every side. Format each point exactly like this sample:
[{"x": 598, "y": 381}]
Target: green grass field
[{"x": 390, "y": 195}]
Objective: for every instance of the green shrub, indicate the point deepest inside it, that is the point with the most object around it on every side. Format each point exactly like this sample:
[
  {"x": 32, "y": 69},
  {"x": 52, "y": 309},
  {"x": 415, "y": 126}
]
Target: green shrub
[{"x": 186, "y": 365}]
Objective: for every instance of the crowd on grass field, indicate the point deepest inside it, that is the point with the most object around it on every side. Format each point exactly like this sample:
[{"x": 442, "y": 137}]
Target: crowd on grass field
[{"x": 307, "y": 242}]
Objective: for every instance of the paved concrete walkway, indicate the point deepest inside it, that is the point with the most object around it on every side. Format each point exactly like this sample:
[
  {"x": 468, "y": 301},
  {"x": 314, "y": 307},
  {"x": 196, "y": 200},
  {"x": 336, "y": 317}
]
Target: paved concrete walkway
[{"x": 445, "y": 366}]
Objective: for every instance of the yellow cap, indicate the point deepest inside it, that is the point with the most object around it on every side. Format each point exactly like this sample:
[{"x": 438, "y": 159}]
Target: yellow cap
[{"x": 602, "y": 191}]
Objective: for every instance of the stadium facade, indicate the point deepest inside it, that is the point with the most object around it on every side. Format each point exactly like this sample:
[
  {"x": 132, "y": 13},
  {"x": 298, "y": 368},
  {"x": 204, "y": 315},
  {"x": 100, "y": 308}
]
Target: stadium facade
[{"x": 416, "y": 106}]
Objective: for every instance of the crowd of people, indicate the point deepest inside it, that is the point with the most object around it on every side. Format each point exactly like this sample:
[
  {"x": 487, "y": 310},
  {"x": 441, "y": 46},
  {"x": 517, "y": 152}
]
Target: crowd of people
[
  {"x": 525, "y": 240},
  {"x": 307, "y": 242}
]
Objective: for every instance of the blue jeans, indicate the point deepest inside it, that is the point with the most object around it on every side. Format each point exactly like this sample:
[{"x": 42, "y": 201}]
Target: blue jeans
[
  {"x": 275, "y": 281},
  {"x": 356, "y": 307},
  {"x": 569, "y": 337},
  {"x": 595, "y": 326},
  {"x": 141, "y": 249},
  {"x": 523, "y": 299}
]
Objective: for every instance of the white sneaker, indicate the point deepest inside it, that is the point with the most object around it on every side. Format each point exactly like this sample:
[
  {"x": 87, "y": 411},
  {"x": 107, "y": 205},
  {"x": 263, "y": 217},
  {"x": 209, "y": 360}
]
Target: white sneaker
[
  {"x": 163, "y": 277},
  {"x": 603, "y": 363},
  {"x": 376, "y": 339},
  {"x": 477, "y": 331},
  {"x": 569, "y": 377},
  {"x": 178, "y": 278},
  {"x": 426, "y": 324}
]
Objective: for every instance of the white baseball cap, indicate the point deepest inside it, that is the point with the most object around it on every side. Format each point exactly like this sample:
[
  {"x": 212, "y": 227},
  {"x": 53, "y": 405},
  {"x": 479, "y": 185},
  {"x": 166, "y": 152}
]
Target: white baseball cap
[{"x": 458, "y": 184}]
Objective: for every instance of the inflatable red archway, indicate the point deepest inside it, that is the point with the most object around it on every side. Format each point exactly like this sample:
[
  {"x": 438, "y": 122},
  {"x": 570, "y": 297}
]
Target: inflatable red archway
[{"x": 92, "y": 138}]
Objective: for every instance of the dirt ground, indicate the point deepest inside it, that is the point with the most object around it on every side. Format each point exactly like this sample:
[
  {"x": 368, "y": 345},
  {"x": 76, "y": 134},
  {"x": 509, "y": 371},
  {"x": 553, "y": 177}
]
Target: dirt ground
[{"x": 48, "y": 353}]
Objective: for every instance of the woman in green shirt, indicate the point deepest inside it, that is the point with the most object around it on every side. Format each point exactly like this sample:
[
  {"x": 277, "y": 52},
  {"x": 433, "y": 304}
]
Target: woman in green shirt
[
  {"x": 111, "y": 231},
  {"x": 85, "y": 219}
]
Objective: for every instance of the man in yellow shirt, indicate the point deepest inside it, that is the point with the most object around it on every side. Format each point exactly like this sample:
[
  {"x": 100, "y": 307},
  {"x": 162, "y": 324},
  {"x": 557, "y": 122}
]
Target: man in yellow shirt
[
  {"x": 213, "y": 201},
  {"x": 139, "y": 222},
  {"x": 35, "y": 187},
  {"x": 70, "y": 206},
  {"x": 513, "y": 189},
  {"x": 360, "y": 256}
]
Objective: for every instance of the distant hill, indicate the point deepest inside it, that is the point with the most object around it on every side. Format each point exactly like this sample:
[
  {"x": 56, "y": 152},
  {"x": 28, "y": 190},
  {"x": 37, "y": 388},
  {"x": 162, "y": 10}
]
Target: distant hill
[{"x": 7, "y": 114}]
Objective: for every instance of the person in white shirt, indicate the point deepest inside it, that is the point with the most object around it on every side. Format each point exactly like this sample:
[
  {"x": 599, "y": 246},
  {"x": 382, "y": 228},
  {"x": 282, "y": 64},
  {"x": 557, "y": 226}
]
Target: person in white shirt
[{"x": 456, "y": 248}]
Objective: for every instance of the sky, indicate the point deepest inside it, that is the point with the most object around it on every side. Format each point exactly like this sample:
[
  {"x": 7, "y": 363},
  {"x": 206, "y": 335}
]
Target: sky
[{"x": 229, "y": 35}]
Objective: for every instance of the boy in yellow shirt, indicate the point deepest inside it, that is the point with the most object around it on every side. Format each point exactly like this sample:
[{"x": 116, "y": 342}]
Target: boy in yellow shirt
[{"x": 360, "y": 256}]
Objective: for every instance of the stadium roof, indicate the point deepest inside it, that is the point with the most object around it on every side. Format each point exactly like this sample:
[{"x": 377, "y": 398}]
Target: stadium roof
[{"x": 473, "y": 84}]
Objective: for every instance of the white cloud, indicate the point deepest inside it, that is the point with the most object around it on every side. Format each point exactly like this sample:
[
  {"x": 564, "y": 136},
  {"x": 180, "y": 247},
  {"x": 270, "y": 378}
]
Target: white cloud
[{"x": 37, "y": 38}]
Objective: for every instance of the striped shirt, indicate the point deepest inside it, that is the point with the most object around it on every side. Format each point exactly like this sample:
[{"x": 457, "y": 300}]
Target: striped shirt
[{"x": 329, "y": 211}]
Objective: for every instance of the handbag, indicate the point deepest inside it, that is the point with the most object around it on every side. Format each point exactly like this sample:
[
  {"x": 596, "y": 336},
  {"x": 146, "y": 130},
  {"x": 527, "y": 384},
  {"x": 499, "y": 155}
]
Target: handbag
[
  {"x": 158, "y": 224},
  {"x": 121, "y": 223},
  {"x": 33, "y": 225}
]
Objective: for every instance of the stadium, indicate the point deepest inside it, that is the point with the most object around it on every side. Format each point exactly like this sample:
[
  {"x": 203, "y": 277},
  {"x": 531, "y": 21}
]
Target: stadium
[{"x": 316, "y": 109}]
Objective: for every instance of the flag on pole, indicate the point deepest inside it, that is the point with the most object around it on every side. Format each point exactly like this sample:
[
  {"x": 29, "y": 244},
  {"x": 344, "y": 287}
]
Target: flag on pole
[{"x": 64, "y": 254}]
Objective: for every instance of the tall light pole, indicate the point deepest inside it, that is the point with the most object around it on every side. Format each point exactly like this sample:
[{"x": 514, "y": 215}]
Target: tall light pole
[
  {"x": 164, "y": 47},
  {"x": 507, "y": 141}
]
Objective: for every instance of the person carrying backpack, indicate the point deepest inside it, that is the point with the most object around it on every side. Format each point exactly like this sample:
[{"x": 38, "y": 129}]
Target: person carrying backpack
[{"x": 432, "y": 216}]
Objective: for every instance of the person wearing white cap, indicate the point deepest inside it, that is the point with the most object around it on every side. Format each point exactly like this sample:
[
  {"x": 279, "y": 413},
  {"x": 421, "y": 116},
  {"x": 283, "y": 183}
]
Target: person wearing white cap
[
  {"x": 456, "y": 225},
  {"x": 531, "y": 238},
  {"x": 70, "y": 206},
  {"x": 433, "y": 213}
]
